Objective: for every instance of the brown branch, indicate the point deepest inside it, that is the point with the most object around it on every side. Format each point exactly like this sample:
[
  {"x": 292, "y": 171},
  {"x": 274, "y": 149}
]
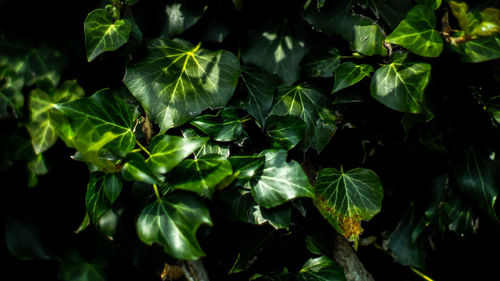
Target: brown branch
[{"x": 346, "y": 257}]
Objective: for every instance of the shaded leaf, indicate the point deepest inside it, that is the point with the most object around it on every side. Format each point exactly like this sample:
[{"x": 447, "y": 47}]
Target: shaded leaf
[
  {"x": 24, "y": 240},
  {"x": 348, "y": 74},
  {"x": 224, "y": 126},
  {"x": 321, "y": 268},
  {"x": 176, "y": 81},
  {"x": 260, "y": 87},
  {"x": 434, "y": 4},
  {"x": 417, "y": 34},
  {"x": 136, "y": 169},
  {"x": 459, "y": 216},
  {"x": 312, "y": 107},
  {"x": 96, "y": 200},
  {"x": 246, "y": 167},
  {"x": 279, "y": 181},
  {"x": 103, "y": 33},
  {"x": 11, "y": 96},
  {"x": 112, "y": 186},
  {"x": 172, "y": 223},
  {"x": 181, "y": 15},
  {"x": 168, "y": 151},
  {"x": 249, "y": 252},
  {"x": 400, "y": 85},
  {"x": 285, "y": 131},
  {"x": 321, "y": 62},
  {"x": 346, "y": 199},
  {"x": 278, "y": 50},
  {"x": 479, "y": 50},
  {"x": 369, "y": 40},
  {"x": 200, "y": 175},
  {"x": 391, "y": 11}
]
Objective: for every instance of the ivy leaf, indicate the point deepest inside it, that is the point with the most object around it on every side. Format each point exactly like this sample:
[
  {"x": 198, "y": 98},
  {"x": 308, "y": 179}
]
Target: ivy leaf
[
  {"x": 459, "y": 216},
  {"x": 90, "y": 124},
  {"x": 181, "y": 16},
  {"x": 246, "y": 167},
  {"x": 434, "y": 4},
  {"x": 279, "y": 181},
  {"x": 200, "y": 175},
  {"x": 312, "y": 107},
  {"x": 369, "y": 40},
  {"x": 210, "y": 147},
  {"x": 103, "y": 33},
  {"x": 391, "y": 11},
  {"x": 480, "y": 49},
  {"x": 400, "y": 85},
  {"x": 476, "y": 178},
  {"x": 172, "y": 223},
  {"x": 136, "y": 169},
  {"x": 490, "y": 23},
  {"x": 176, "y": 81},
  {"x": 278, "y": 50},
  {"x": 348, "y": 74},
  {"x": 224, "y": 126},
  {"x": 112, "y": 186},
  {"x": 25, "y": 239},
  {"x": 417, "y": 34},
  {"x": 321, "y": 62},
  {"x": 335, "y": 18},
  {"x": 346, "y": 199},
  {"x": 10, "y": 91},
  {"x": 321, "y": 268},
  {"x": 168, "y": 151},
  {"x": 285, "y": 131},
  {"x": 260, "y": 87},
  {"x": 96, "y": 200}
]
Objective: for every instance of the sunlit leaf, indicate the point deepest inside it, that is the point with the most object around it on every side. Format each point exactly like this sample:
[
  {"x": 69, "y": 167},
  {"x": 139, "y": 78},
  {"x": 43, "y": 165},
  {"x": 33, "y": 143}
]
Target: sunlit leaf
[
  {"x": 369, "y": 40},
  {"x": 285, "y": 131},
  {"x": 246, "y": 167},
  {"x": 172, "y": 223},
  {"x": 348, "y": 74},
  {"x": 224, "y": 126},
  {"x": 181, "y": 15},
  {"x": 103, "y": 33},
  {"x": 136, "y": 169},
  {"x": 347, "y": 198},
  {"x": 176, "y": 81},
  {"x": 210, "y": 147}
]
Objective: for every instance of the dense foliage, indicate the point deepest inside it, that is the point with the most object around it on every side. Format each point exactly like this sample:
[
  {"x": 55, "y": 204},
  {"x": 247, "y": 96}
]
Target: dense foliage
[{"x": 139, "y": 136}]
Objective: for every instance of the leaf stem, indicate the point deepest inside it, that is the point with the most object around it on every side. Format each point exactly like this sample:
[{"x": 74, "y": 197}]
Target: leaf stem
[
  {"x": 142, "y": 148},
  {"x": 425, "y": 277},
  {"x": 157, "y": 193}
]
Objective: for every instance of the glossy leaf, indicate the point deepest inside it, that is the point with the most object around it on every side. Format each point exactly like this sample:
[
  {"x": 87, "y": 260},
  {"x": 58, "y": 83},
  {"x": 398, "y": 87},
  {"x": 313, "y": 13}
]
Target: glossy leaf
[
  {"x": 285, "y": 131},
  {"x": 434, "y": 4},
  {"x": 260, "y": 87},
  {"x": 96, "y": 201},
  {"x": 321, "y": 268},
  {"x": 113, "y": 186},
  {"x": 369, "y": 40},
  {"x": 459, "y": 10},
  {"x": 480, "y": 50},
  {"x": 459, "y": 216},
  {"x": 172, "y": 223},
  {"x": 417, "y": 34},
  {"x": 476, "y": 177},
  {"x": 246, "y": 167},
  {"x": 176, "y": 81},
  {"x": 224, "y": 126},
  {"x": 391, "y": 11},
  {"x": 348, "y": 74},
  {"x": 321, "y": 62},
  {"x": 90, "y": 124},
  {"x": 210, "y": 147},
  {"x": 136, "y": 169},
  {"x": 400, "y": 85},
  {"x": 168, "y": 151},
  {"x": 181, "y": 15},
  {"x": 346, "y": 199},
  {"x": 312, "y": 107},
  {"x": 490, "y": 23},
  {"x": 278, "y": 50},
  {"x": 200, "y": 175},
  {"x": 103, "y": 33},
  {"x": 279, "y": 181}
]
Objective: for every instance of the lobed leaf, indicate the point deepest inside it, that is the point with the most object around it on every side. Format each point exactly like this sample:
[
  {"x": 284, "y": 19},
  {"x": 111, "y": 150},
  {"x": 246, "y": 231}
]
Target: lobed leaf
[{"x": 348, "y": 74}]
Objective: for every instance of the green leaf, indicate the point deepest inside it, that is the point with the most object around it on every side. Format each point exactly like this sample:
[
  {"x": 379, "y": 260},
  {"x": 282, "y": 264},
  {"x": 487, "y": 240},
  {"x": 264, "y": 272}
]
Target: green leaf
[
  {"x": 137, "y": 169},
  {"x": 200, "y": 175},
  {"x": 278, "y": 50},
  {"x": 369, "y": 40},
  {"x": 490, "y": 23},
  {"x": 96, "y": 201},
  {"x": 476, "y": 177},
  {"x": 177, "y": 81},
  {"x": 348, "y": 74},
  {"x": 130, "y": 2},
  {"x": 103, "y": 34},
  {"x": 391, "y": 11},
  {"x": 210, "y": 147},
  {"x": 285, "y": 131},
  {"x": 90, "y": 124},
  {"x": 74, "y": 268},
  {"x": 417, "y": 34},
  {"x": 346, "y": 199},
  {"x": 312, "y": 107},
  {"x": 112, "y": 186},
  {"x": 260, "y": 87},
  {"x": 11, "y": 96},
  {"x": 246, "y": 167},
  {"x": 334, "y": 18},
  {"x": 181, "y": 15},
  {"x": 24, "y": 239},
  {"x": 168, "y": 151},
  {"x": 479, "y": 50},
  {"x": 321, "y": 62},
  {"x": 459, "y": 10},
  {"x": 172, "y": 223},
  {"x": 321, "y": 268},
  {"x": 459, "y": 216},
  {"x": 279, "y": 181},
  {"x": 434, "y": 4},
  {"x": 68, "y": 91},
  {"x": 224, "y": 126},
  {"x": 400, "y": 85}
]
